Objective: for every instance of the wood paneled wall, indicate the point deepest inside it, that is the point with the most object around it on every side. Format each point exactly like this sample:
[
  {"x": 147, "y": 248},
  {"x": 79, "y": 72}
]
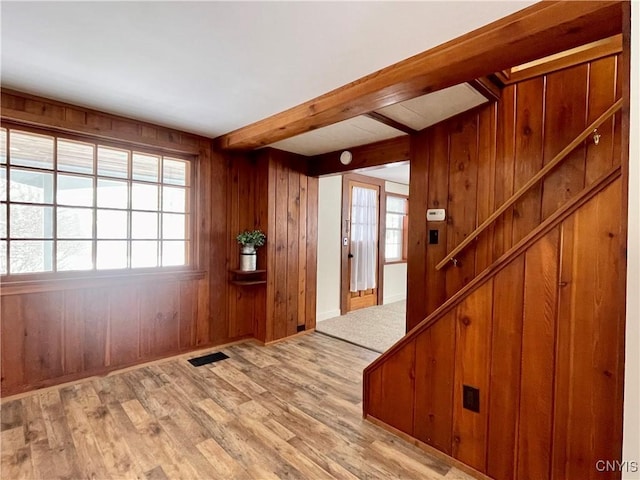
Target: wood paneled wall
[
  {"x": 287, "y": 210},
  {"x": 472, "y": 163},
  {"x": 54, "y": 336},
  {"x": 53, "y": 331},
  {"x": 542, "y": 341}
]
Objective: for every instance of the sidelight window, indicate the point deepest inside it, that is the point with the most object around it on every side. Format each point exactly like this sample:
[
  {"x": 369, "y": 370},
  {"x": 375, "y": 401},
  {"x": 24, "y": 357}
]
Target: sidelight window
[{"x": 396, "y": 229}]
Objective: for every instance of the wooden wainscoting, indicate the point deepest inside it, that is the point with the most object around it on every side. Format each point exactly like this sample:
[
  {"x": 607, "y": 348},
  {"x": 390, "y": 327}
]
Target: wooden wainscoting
[{"x": 51, "y": 337}]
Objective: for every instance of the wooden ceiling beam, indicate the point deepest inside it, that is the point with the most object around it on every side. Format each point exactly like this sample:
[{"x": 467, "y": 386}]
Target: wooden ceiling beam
[
  {"x": 542, "y": 29},
  {"x": 485, "y": 87},
  {"x": 379, "y": 117},
  {"x": 372, "y": 155}
]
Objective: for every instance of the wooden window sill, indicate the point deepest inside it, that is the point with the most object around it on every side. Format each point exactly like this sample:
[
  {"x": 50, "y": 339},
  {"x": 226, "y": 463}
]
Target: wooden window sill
[
  {"x": 394, "y": 262},
  {"x": 96, "y": 280}
]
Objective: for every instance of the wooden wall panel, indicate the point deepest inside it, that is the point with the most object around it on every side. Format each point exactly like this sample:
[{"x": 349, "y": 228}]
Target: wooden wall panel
[
  {"x": 124, "y": 323},
  {"x": 86, "y": 326},
  {"x": 565, "y": 115},
  {"x": 435, "y": 353},
  {"x": 293, "y": 253},
  {"x": 279, "y": 234},
  {"x": 287, "y": 210},
  {"x": 529, "y": 138},
  {"x": 473, "y": 351},
  {"x": 311, "y": 253},
  {"x": 462, "y": 199},
  {"x": 541, "y": 335},
  {"x": 417, "y": 268},
  {"x": 159, "y": 319},
  {"x": 505, "y": 168},
  {"x": 504, "y": 384},
  {"x": 588, "y": 355},
  {"x": 538, "y": 357},
  {"x": 43, "y": 317},
  {"x": 398, "y": 378},
  {"x": 12, "y": 328},
  {"x": 486, "y": 184},
  {"x": 473, "y": 163},
  {"x": 213, "y": 326},
  {"x": 540, "y": 338},
  {"x": 302, "y": 257},
  {"x": 603, "y": 91},
  {"x": 56, "y": 336}
]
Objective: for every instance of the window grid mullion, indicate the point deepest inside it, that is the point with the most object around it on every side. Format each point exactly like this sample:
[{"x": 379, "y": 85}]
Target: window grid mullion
[
  {"x": 94, "y": 227},
  {"x": 160, "y": 210},
  {"x": 55, "y": 204},
  {"x": 8, "y": 180},
  {"x": 129, "y": 206}
]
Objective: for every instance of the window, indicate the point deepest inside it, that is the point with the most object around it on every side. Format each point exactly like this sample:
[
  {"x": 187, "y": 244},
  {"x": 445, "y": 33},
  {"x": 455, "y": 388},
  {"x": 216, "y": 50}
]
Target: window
[
  {"x": 395, "y": 249},
  {"x": 76, "y": 205}
]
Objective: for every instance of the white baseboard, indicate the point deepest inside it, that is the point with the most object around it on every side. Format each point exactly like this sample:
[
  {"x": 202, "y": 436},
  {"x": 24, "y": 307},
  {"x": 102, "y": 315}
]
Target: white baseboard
[
  {"x": 327, "y": 315},
  {"x": 394, "y": 298}
]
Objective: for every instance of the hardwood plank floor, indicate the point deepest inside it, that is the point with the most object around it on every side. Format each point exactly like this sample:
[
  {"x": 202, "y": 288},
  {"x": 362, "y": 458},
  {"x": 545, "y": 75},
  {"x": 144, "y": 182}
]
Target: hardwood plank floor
[{"x": 289, "y": 410}]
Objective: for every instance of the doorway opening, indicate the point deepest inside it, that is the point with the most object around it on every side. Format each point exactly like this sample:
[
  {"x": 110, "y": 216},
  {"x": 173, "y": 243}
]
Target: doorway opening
[{"x": 362, "y": 245}]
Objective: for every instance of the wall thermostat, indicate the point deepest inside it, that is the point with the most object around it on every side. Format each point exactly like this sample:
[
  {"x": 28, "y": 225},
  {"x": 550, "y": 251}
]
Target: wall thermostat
[{"x": 436, "y": 215}]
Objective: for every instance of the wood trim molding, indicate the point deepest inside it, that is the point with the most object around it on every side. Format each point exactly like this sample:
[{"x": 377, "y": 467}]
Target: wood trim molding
[
  {"x": 540, "y": 30},
  {"x": 602, "y": 48},
  {"x": 371, "y": 155},
  {"x": 487, "y": 88},
  {"x": 428, "y": 448},
  {"x": 96, "y": 281},
  {"x": 26, "y": 109},
  {"x": 379, "y": 117}
]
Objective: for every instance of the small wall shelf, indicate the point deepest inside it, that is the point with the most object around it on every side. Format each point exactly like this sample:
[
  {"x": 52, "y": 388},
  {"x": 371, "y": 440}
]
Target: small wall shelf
[{"x": 255, "y": 277}]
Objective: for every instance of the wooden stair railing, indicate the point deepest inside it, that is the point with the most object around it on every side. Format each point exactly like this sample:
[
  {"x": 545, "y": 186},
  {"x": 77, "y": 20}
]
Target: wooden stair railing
[
  {"x": 559, "y": 158},
  {"x": 540, "y": 231}
]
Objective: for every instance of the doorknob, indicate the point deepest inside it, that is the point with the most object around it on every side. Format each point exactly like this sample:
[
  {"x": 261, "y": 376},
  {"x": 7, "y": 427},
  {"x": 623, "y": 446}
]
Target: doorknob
[{"x": 350, "y": 255}]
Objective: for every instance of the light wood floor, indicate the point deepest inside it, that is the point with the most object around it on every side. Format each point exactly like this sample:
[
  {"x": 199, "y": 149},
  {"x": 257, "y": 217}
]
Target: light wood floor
[{"x": 291, "y": 410}]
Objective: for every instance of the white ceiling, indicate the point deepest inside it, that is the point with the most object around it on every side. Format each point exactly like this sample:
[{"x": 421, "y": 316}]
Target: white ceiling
[
  {"x": 422, "y": 112},
  {"x": 417, "y": 113},
  {"x": 211, "y": 67},
  {"x": 348, "y": 133},
  {"x": 393, "y": 172}
]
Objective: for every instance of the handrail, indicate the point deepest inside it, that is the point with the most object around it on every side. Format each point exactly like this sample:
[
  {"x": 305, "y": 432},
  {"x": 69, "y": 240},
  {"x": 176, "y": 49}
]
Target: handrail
[
  {"x": 535, "y": 179},
  {"x": 540, "y": 231}
]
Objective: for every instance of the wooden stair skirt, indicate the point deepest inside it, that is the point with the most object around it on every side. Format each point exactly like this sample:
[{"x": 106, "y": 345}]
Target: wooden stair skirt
[{"x": 533, "y": 344}]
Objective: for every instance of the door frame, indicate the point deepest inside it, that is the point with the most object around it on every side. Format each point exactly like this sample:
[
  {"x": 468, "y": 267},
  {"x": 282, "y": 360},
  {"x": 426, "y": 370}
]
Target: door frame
[{"x": 344, "y": 249}]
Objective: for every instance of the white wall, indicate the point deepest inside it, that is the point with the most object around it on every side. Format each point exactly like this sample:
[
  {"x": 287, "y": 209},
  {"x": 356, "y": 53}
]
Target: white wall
[
  {"x": 395, "y": 275},
  {"x": 329, "y": 245},
  {"x": 329, "y": 248},
  {"x": 631, "y": 438},
  {"x": 399, "y": 188},
  {"x": 395, "y": 283}
]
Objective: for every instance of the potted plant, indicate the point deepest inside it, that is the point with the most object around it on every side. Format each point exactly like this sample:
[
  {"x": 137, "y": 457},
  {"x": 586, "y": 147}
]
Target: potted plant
[{"x": 249, "y": 240}]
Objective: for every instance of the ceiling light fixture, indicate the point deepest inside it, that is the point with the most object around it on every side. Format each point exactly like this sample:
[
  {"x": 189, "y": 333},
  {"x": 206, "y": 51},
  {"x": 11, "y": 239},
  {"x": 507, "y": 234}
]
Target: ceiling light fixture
[{"x": 346, "y": 157}]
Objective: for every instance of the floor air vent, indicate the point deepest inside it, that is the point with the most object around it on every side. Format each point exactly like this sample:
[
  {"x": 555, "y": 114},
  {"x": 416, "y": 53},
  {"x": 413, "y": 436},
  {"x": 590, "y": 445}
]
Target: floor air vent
[{"x": 206, "y": 359}]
